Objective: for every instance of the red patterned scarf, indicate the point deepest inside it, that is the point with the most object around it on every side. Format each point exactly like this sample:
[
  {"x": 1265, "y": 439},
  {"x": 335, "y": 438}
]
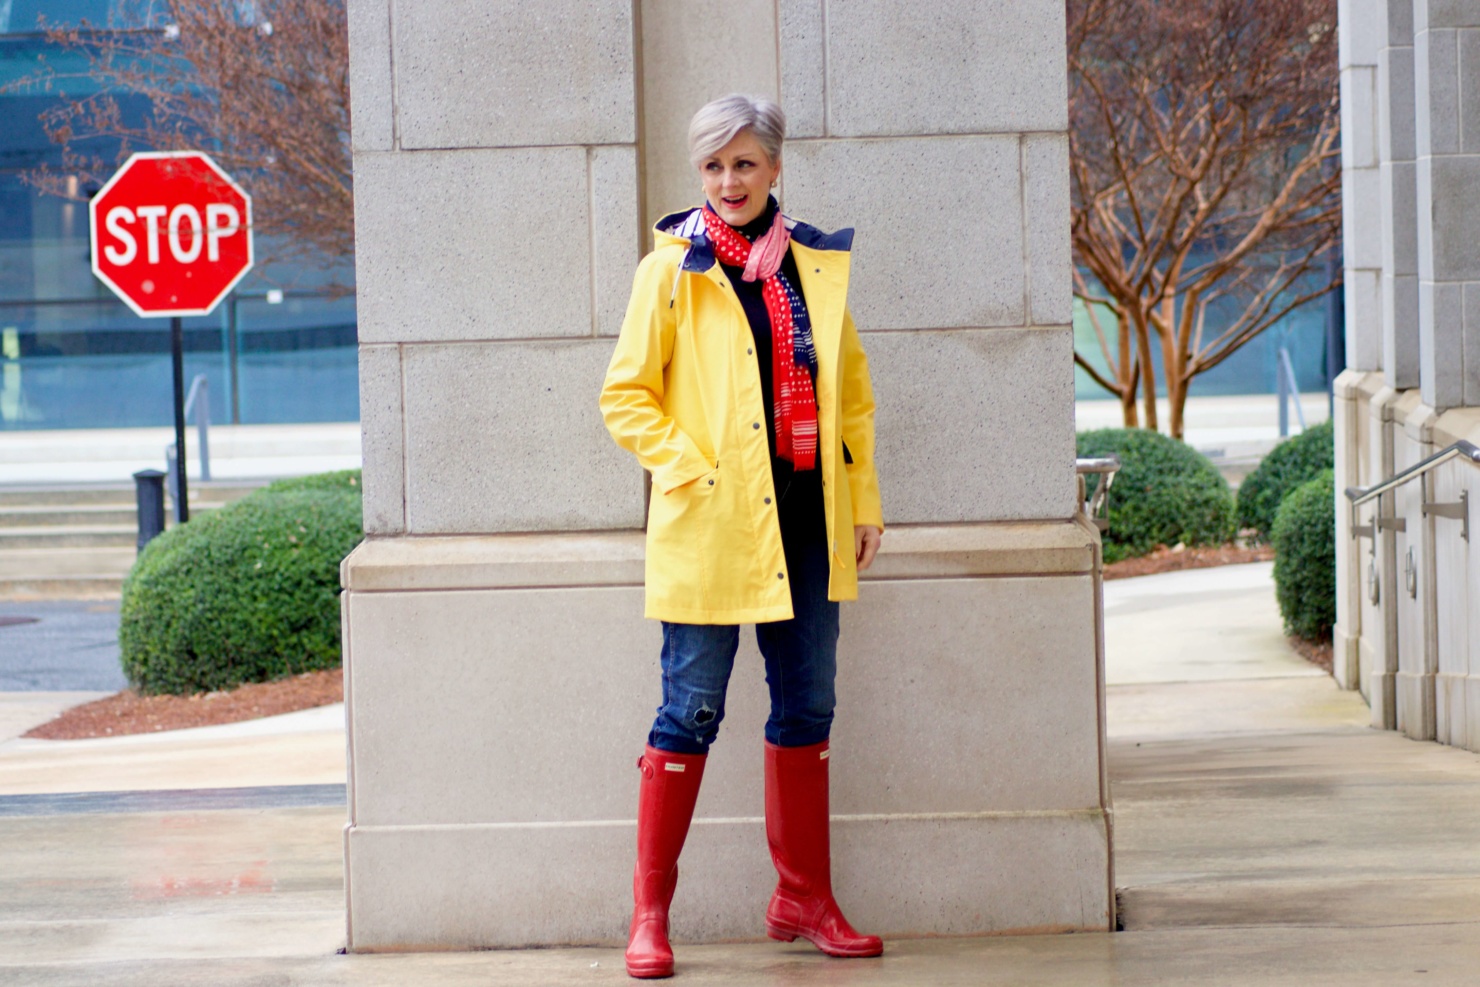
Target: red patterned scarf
[{"x": 792, "y": 354}]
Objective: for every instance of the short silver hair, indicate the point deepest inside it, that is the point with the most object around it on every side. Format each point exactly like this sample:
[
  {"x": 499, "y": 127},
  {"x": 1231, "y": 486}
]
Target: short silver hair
[{"x": 717, "y": 123}]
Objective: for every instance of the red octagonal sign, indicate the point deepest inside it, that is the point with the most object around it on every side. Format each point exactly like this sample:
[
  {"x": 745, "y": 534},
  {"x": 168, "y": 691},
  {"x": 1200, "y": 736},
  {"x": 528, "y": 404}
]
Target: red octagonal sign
[{"x": 171, "y": 233}]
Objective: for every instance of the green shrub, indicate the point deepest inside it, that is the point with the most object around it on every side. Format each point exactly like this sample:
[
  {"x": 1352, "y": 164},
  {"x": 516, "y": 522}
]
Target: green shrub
[
  {"x": 1305, "y": 558},
  {"x": 1166, "y": 492},
  {"x": 341, "y": 481},
  {"x": 246, "y": 593},
  {"x": 1288, "y": 465}
]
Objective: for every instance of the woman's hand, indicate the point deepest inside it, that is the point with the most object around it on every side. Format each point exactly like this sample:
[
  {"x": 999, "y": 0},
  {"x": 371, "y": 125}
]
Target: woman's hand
[{"x": 866, "y": 539}]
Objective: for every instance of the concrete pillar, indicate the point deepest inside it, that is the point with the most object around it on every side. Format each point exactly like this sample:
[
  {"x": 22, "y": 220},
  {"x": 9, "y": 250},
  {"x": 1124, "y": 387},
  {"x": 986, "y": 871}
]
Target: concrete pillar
[
  {"x": 1457, "y": 588},
  {"x": 1447, "y": 72},
  {"x": 1371, "y": 34},
  {"x": 1379, "y": 620},
  {"x": 1396, "y": 149},
  {"x": 1349, "y": 414},
  {"x": 1362, "y": 28},
  {"x": 500, "y": 677},
  {"x": 1414, "y": 570}
]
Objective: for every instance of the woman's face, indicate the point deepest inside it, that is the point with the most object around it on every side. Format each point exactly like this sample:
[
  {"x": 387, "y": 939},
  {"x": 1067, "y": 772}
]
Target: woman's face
[{"x": 737, "y": 178}]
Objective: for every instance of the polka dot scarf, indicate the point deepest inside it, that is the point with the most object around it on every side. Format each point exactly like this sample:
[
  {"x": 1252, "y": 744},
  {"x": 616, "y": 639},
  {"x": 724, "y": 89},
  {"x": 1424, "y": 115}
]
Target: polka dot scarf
[{"x": 793, "y": 356}]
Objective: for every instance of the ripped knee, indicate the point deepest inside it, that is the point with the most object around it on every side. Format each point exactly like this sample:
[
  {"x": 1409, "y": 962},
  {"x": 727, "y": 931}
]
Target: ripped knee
[{"x": 703, "y": 721}]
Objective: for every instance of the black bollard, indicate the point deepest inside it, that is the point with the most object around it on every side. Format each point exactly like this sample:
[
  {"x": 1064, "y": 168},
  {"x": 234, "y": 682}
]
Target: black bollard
[{"x": 149, "y": 491}]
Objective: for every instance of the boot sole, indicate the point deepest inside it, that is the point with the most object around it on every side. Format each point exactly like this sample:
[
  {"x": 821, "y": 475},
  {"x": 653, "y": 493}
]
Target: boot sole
[
  {"x": 651, "y": 972},
  {"x": 792, "y": 935}
]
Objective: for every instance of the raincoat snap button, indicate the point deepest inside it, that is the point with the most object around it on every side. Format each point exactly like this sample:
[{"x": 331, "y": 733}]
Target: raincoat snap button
[
  {"x": 755, "y": 424},
  {"x": 748, "y": 351},
  {"x": 768, "y": 500},
  {"x": 780, "y": 575},
  {"x": 711, "y": 483}
]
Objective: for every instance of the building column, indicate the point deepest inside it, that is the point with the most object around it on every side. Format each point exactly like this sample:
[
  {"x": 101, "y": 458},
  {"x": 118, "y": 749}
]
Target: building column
[
  {"x": 500, "y": 677},
  {"x": 1398, "y": 188},
  {"x": 1359, "y": 657},
  {"x": 1361, "y": 30},
  {"x": 1447, "y": 72}
]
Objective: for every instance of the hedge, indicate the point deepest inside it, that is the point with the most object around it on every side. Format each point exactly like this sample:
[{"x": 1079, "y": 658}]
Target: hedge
[
  {"x": 246, "y": 593},
  {"x": 1305, "y": 558},
  {"x": 1291, "y": 463},
  {"x": 1166, "y": 492}
]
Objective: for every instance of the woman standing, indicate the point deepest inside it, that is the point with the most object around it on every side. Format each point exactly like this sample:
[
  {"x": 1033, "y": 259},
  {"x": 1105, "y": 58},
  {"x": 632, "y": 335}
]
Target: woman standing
[{"x": 740, "y": 384}]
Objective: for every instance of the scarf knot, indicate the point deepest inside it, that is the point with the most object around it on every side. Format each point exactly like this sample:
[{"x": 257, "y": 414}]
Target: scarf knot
[{"x": 793, "y": 355}]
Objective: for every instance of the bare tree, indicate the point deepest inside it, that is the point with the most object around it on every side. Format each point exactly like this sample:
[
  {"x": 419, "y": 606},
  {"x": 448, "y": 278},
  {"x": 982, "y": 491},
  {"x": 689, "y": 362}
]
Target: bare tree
[
  {"x": 262, "y": 85},
  {"x": 1205, "y": 172}
]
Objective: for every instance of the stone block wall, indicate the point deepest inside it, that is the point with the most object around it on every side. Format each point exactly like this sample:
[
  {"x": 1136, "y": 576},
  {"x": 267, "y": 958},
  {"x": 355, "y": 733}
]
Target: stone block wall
[
  {"x": 510, "y": 159},
  {"x": 1447, "y": 74},
  {"x": 1361, "y": 30},
  {"x": 1397, "y": 147},
  {"x": 496, "y": 217}
]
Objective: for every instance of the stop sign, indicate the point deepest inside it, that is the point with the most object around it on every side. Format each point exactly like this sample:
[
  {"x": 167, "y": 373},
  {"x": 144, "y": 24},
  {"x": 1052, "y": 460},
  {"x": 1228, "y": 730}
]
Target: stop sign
[{"x": 171, "y": 233}]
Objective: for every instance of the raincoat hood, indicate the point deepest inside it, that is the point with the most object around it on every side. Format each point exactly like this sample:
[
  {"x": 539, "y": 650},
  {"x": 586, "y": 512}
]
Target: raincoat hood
[{"x": 686, "y": 227}]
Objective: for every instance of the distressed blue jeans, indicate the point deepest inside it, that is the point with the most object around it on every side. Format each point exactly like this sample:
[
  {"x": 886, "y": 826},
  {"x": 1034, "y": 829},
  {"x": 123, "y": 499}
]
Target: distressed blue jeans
[{"x": 801, "y": 664}]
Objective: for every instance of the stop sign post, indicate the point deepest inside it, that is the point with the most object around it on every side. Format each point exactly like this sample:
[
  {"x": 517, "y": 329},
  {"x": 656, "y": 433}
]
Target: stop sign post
[{"x": 171, "y": 236}]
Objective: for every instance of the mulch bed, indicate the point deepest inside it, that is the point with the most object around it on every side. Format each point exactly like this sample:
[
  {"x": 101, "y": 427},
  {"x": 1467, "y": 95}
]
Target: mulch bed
[
  {"x": 1318, "y": 653},
  {"x": 128, "y": 712},
  {"x": 1165, "y": 559}
]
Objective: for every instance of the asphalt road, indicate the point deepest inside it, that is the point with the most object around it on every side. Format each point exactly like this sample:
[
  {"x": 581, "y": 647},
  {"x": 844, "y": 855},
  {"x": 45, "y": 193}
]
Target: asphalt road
[{"x": 68, "y": 646}]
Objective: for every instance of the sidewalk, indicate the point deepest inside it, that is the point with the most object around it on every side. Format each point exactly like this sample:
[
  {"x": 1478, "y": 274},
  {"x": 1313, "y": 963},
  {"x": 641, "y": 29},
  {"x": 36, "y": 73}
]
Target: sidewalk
[
  {"x": 238, "y": 452},
  {"x": 1265, "y": 836}
]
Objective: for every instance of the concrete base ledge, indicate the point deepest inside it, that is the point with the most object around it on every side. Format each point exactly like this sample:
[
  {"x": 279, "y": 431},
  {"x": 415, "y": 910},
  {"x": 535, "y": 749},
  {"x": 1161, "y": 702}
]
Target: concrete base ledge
[
  {"x": 615, "y": 558},
  {"x": 1457, "y": 699},
  {"x": 1009, "y": 872},
  {"x": 967, "y": 777},
  {"x": 1455, "y": 425},
  {"x": 1415, "y": 695}
]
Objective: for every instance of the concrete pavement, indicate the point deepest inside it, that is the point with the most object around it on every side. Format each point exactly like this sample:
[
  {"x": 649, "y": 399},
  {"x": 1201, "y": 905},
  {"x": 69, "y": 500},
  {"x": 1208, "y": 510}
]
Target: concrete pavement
[
  {"x": 238, "y": 452},
  {"x": 1265, "y": 837},
  {"x": 59, "y": 645},
  {"x": 302, "y": 748}
]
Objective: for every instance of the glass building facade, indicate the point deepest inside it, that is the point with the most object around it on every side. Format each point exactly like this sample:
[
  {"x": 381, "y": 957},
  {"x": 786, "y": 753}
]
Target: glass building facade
[
  {"x": 1251, "y": 369},
  {"x": 280, "y": 348},
  {"x": 73, "y": 356}
]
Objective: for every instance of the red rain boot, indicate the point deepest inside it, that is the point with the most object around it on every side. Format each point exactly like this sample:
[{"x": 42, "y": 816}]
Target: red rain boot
[
  {"x": 797, "y": 829},
  {"x": 665, "y": 804}
]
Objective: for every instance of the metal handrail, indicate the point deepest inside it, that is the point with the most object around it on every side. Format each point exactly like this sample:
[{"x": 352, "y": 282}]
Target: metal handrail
[
  {"x": 1284, "y": 374},
  {"x": 1105, "y": 467},
  {"x": 199, "y": 401},
  {"x": 1468, "y": 450},
  {"x": 1458, "y": 510}
]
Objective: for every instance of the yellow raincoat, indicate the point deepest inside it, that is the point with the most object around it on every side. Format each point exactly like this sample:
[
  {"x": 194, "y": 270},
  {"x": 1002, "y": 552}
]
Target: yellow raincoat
[{"x": 683, "y": 394}]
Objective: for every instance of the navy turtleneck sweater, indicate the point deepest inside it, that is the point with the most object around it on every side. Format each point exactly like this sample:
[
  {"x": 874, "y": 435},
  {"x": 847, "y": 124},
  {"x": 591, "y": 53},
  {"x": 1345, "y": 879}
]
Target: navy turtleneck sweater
[{"x": 799, "y": 505}]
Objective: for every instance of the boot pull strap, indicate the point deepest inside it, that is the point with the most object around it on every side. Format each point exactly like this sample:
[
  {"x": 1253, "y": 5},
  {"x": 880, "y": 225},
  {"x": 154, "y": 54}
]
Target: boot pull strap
[{"x": 645, "y": 766}]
